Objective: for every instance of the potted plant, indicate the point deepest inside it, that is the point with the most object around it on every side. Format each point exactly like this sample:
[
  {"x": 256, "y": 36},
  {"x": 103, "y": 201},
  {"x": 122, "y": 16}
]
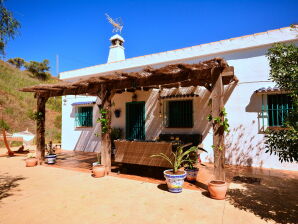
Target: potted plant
[
  {"x": 218, "y": 186},
  {"x": 51, "y": 157},
  {"x": 31, "y": 160},
  {"x": 98, "y": 170},
  {"x": 190, "y": 165},
  {"x": 175, "y": 177}
]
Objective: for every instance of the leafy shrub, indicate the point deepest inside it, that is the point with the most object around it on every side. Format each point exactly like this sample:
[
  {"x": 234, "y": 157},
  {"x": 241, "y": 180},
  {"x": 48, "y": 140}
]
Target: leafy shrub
[{"x": 283, "y": 143}]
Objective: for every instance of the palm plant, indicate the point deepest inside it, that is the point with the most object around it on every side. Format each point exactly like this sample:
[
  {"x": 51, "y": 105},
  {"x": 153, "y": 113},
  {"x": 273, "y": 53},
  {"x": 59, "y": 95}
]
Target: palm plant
[{"x": 179, "y": 156}]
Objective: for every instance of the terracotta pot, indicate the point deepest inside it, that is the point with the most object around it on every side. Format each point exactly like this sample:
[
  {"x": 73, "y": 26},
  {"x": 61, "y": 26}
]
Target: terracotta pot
[
  {"x": 30, "y": 162},
  {"x": 98, "y": 171},
  {"x": 191, "y": 174},
  {"x": 217, "y": 189},
  {"x": 175, "y": 181}
]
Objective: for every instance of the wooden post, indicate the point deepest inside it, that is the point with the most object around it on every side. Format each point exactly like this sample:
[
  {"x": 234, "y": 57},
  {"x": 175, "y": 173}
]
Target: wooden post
[
  {"x": 40, "y": 128},
  {"x": 106, "y": 150},
  {"x": 218, "y": 130},
  {"x": 10, "y": 153}
]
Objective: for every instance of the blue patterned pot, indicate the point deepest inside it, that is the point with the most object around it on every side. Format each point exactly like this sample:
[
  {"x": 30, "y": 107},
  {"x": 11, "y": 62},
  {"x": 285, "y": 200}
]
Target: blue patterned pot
[
  {"x": 174, "y": 181},
  {"x": 51, "y": 159},
  {"x": 191, "y": 174}
]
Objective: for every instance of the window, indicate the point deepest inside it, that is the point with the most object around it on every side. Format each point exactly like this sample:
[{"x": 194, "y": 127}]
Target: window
[
  {"x": 178, "y": 114},
  {"x": 277, "y": 109},
  {"x": 84, "y": 117}
]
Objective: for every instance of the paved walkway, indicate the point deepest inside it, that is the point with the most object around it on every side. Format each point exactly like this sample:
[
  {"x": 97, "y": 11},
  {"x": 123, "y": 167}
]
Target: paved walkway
[{"x": 49, "y": 195}]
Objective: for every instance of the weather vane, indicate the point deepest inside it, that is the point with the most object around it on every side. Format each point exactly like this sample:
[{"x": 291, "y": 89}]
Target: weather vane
[{"x": 116, "y": 23}]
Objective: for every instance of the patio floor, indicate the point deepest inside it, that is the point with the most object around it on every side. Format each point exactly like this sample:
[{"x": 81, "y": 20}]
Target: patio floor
[{"x": 45, "y": 194}]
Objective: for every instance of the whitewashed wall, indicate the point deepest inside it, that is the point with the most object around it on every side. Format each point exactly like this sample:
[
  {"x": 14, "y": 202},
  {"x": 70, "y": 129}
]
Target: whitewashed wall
[
  {"x": 244, "y": 142},
  {"x": 78, "y": 139}
]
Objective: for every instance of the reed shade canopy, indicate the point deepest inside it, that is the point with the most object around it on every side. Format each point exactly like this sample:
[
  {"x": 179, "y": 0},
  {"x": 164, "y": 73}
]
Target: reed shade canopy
[{"x": 212, "y": 74}]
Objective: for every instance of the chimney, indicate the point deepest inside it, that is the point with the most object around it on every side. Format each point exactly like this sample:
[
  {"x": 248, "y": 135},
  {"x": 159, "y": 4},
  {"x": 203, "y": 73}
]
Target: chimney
[{"x": 116, "y": 49}]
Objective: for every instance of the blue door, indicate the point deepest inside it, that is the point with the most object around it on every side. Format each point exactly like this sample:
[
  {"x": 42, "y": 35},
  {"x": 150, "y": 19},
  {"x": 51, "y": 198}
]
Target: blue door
[{"x": 135, "y": 120}]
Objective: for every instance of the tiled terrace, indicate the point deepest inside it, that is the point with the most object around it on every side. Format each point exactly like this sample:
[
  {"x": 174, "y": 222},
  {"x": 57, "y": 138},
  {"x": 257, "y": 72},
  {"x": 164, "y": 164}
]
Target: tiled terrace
[{"x": 82, "y": 161}]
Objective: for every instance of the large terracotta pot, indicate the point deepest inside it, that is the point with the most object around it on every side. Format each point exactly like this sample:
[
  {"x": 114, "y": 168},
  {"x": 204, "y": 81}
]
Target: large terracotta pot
[
  {"x": 175, "y": 181},
  {"x": 191, "y": 174},
  {"x": 30, "y": 162},
  {"x": 217, "y": 189},
  {"x": 98, "y": 171}
]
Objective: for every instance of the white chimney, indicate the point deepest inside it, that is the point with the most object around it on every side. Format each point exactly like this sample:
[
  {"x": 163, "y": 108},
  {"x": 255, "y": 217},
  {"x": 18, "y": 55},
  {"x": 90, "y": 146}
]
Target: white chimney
[{"x": 116, "y": 49}]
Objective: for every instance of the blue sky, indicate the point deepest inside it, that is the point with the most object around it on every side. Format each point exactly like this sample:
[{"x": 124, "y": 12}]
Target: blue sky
[{"x": 79, "y": 33}]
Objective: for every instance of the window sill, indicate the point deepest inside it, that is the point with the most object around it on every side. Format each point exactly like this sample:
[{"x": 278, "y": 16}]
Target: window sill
[
  {"x": 179, "y": 127},
  {"x": 84, "y": 127}
]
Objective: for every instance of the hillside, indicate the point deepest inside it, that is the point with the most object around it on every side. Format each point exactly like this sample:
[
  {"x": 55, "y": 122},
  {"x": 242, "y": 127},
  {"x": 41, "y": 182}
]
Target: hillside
[{"x": 17, "y": 108}]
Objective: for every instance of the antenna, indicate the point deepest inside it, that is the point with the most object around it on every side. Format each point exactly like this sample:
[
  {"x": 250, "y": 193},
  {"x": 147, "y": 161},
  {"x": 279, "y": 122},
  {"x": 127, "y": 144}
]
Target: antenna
[
  {"x": 57, "y": 65},
  {"x": 116, "y": 23}
]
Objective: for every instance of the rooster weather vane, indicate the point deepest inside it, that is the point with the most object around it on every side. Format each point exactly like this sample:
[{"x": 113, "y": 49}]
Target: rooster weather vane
[{"x": 116, "y": 23}]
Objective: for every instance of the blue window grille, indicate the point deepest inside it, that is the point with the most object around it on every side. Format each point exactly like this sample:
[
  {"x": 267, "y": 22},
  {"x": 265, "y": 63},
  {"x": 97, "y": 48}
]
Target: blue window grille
[
  {"x": 277, "y": 109},
  {"x": 84, "y": 117},
  {"x": 179, "y": 114}
]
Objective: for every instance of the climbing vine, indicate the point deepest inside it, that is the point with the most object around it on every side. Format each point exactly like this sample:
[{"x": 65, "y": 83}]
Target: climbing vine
[
  {"x": 103, "y": 120},
  {"x": 222, "y": 121}
]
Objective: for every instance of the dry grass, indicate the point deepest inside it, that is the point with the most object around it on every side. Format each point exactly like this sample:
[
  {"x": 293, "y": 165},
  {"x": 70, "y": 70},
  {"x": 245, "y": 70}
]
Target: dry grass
[{"x": 17, "y": 107}]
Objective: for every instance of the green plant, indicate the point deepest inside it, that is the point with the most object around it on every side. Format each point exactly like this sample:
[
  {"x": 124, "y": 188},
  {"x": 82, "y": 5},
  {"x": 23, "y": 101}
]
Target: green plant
[
  {"x": 221, "y": 120},
  {"x": 284, "y": 71},
  {"x": 4, "y": 125},
  {"x": 283, "y": 143},
  {"x": 37, "y": 116},
  {"x": 116, "y": 133},
  {"x": 179, "y": 156},
  {"x": 17, "y": 62},
  {"x": 103, "y": 120},
  {"x": 8, "y": 26},
  {"x": 39, "y": 69}
]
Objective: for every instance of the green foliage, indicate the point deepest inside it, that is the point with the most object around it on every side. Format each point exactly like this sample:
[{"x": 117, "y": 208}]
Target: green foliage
[
  {"x": 116, "y": 133},
  {"x": 103, "y": 121},
  {"x": 192, "y": 158},
  {"x": 55, "y": 103},
  {"x": 39, "y": 69},
  {"x": 283, "y": 60},
  {"x": 4, "y": 125},
  {"x": 8, "y": 26},
  {"x": 18, "y": 62},
  {"x": 222, "y": 121},
  {"x": 58, "y": 121},
  {"x": 283, "y": 143},
  {"x": 179, "y": 156}
]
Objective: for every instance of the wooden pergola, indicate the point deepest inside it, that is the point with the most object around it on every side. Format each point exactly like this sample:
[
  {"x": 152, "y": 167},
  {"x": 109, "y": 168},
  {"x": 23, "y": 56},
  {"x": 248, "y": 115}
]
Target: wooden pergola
[{"x": 212, "y": 74}]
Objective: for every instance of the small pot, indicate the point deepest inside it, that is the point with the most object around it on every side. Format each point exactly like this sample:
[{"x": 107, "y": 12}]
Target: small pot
[
  {"x": 191, "y": 174},
  {"x": 95, "y": 164},
  {"x": 217, "y": 189},
  {"x": 30, "y": 162},
  {"x": 99, "y": 171},
  {"x": 51, "y": 159},
  {"x": 175, "y": 181}
]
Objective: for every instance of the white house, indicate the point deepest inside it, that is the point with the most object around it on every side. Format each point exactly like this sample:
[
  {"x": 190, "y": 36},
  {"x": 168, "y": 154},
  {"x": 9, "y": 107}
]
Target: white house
[{"x": 158, "y": 112}]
